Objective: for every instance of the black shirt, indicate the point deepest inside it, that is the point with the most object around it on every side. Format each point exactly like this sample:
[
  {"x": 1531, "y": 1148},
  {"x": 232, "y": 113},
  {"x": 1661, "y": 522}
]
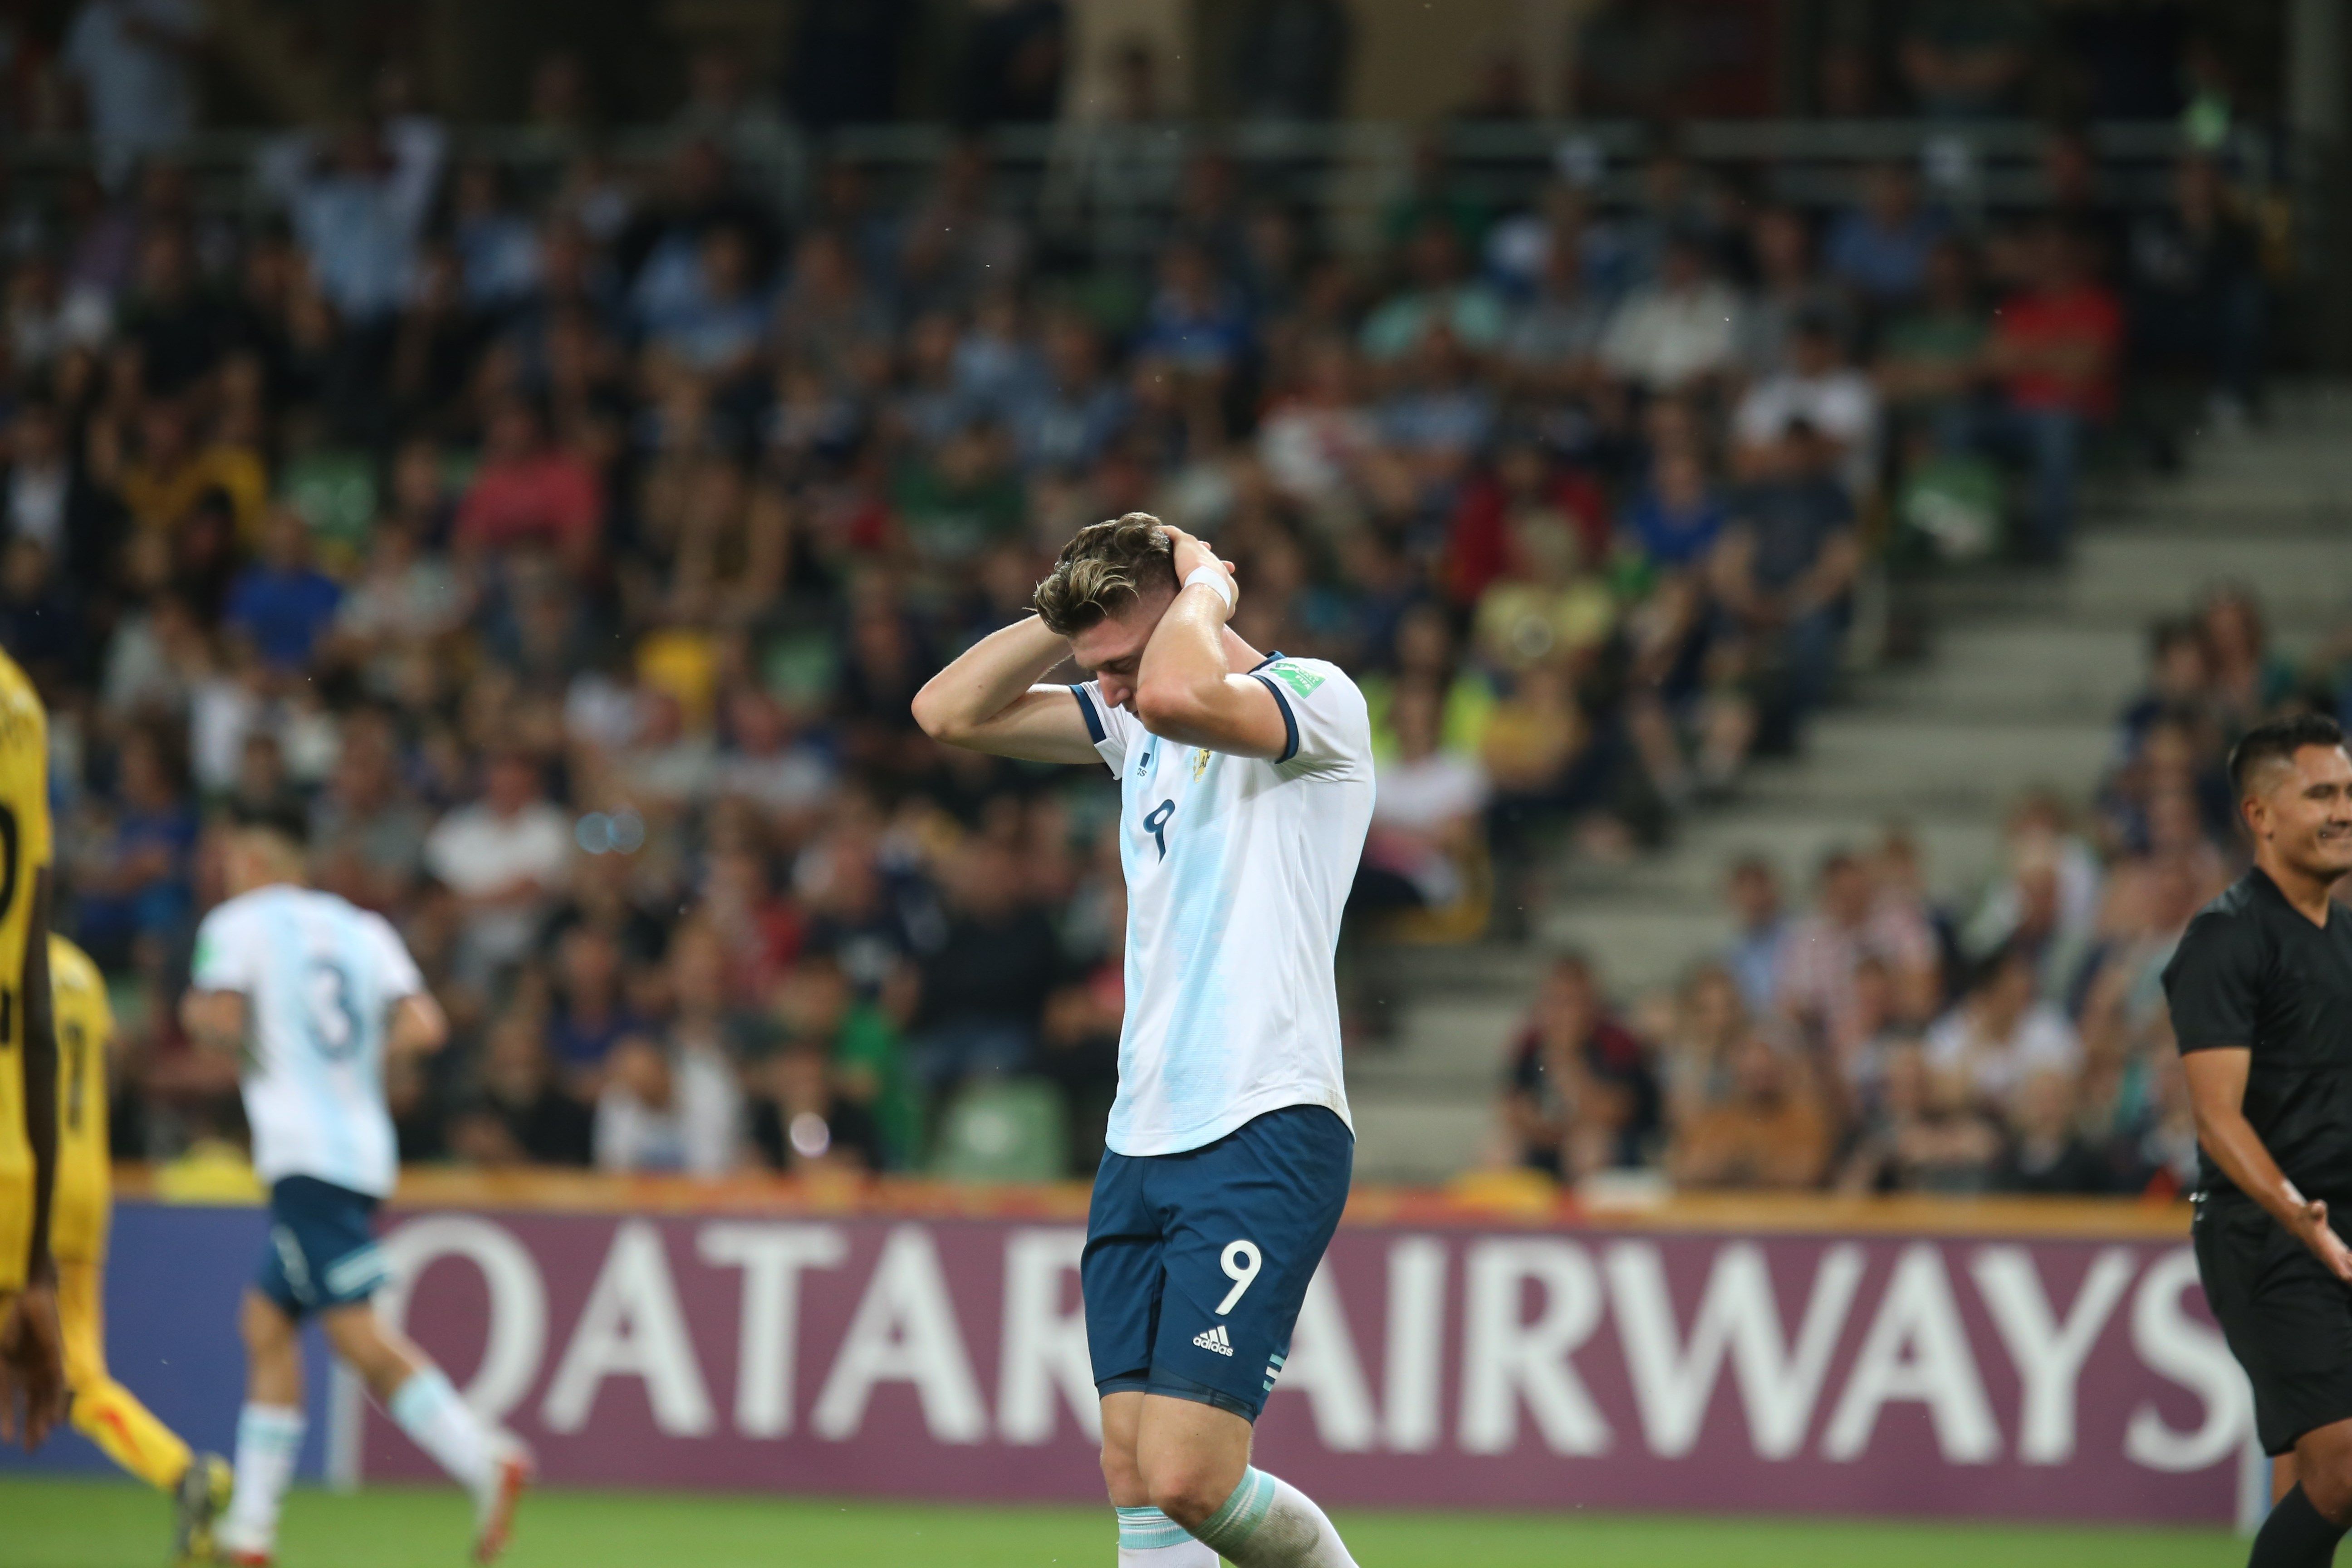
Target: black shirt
[
  {"x": 1793, "y": 520},
  {"x": 551, "y": 1127},
  {"x": 850, "y": 1129},
  {"x": 990, "y": 971},
  {"x": 1616, "y": 1057},
  {"x": 2073, "y": 1167},
  {"x": 2251, "y": 972}
]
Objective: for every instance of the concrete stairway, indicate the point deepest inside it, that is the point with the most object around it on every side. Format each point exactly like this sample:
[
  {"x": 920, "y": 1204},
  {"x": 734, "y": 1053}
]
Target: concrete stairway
[{"x": 2023, "y": 678}]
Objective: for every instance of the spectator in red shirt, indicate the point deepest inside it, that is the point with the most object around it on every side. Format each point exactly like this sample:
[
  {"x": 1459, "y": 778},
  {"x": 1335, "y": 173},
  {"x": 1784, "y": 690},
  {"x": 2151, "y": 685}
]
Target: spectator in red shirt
[
  {"x": 1579, "y": 1095},
  {"x": 2055, "y": 346},
  {"x": 529, "y": 491},
  {"x": 1523, "y": 479}
]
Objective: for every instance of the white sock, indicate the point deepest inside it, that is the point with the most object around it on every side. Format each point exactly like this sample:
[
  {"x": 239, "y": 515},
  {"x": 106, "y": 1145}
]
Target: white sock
[
  {"x": 269, "y": 1440},
  {"x": 1269, "y": 1523},
  {"x": 430, "y": 1411},
  {"x": 1150, "y": 1539}
]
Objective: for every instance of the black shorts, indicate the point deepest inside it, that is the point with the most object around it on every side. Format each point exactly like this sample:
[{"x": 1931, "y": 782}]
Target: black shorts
[{"x": 2288, "y": 1321}]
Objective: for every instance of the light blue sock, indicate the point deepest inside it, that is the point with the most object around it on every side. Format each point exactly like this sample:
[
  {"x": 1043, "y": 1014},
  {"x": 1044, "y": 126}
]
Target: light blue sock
[
  {"x": 269, "y": 1440},
  {"x": 1229, "y": 1529},
  {"x": 1143, "y": 1528},
  {"x": 437, "y": 1421},
  {"x": 1268, "y": 1523},
  {"x": 1150, "y": 1539}
]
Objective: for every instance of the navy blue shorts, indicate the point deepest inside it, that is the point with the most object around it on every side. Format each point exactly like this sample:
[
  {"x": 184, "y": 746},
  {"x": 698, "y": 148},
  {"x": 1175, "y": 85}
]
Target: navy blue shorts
[
  {"x": 322, "y": 1250},
  {"x": 1196, "y": 1263}
]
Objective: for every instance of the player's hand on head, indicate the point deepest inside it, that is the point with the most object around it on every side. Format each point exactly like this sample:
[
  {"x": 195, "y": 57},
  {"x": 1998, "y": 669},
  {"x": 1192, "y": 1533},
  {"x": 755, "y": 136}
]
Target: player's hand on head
[
  {"x": 32, "y": 1359},
  {"x": 1191, "y": 554}
]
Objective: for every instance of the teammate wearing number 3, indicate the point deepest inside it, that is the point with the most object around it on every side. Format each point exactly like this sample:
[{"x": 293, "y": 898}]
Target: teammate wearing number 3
[
  {"x": 312, "y": 993},
  {"x": 1245, "y": 783}
]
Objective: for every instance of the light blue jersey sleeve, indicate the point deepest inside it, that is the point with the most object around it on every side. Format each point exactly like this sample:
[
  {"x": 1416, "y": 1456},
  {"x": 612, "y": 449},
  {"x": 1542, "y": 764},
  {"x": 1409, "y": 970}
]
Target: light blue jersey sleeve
[
  {"x": 1328, "y": 725},
  {"x": 226, "y": 951},
  {"x": 1112, "y": 729},
  {"x": 396, "y": 972}
]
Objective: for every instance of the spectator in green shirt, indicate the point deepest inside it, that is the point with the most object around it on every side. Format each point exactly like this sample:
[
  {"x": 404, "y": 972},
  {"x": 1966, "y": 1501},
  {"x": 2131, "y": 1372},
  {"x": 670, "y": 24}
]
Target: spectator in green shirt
[
  {"x": 1931, "y": 359},
  {"x": 1437, "y": 293},
  {"x": 960, "y": 497},
  {"x": 814, "y": 1004}
]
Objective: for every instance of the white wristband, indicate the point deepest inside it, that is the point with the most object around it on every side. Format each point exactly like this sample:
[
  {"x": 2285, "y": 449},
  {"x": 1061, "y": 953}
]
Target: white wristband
[{"x": 1216, "y": 577}]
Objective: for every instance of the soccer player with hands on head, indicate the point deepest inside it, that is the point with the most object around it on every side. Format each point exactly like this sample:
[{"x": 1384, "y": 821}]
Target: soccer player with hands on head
[{"x": 1245, "y": 783}]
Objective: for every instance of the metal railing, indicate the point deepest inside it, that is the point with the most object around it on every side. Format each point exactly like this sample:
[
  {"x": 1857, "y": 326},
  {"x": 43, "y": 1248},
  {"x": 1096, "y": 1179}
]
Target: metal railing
[{"x": 1110, "y": 189}]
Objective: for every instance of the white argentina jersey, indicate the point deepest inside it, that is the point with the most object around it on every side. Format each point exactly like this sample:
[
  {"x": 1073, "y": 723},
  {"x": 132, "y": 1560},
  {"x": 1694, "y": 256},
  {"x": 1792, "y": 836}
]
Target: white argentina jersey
[
  {"x": 320, "y": 979},
  {"x": 1236, "y": 871}
]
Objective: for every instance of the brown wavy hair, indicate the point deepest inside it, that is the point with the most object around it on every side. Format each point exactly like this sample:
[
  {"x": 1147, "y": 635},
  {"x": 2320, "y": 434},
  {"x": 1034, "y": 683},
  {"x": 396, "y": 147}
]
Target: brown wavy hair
[{"x": 1102, "y": 570}]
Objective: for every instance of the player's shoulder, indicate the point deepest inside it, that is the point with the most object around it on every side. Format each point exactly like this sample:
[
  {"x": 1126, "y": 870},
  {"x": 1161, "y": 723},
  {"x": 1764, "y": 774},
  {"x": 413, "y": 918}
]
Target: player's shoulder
[
  {"x": 240, "y": 907},
  {"x": 2238, "y": 920},
  {"x": 22, "y": 719},
  {"x": 1330, "y": 723},
  {"x": 379, "y": 929},
  {"x": 336, "y": 910},
  {"x": 1309, "y": 679},
  {"x": 1105, "y": 720},
  {"x": 73, "y": 970},
  {"x": 15, "y": 686},
  {"x": 2245, "y": 904},
  {"x": 1317, "y": 687},
  {"x": 237, "y": 917}
]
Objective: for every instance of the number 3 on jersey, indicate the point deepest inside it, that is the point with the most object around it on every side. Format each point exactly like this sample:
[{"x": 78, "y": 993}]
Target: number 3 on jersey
[
  {"x": 334, "y": 1018},
  {"x": 1156, "y": 825}
]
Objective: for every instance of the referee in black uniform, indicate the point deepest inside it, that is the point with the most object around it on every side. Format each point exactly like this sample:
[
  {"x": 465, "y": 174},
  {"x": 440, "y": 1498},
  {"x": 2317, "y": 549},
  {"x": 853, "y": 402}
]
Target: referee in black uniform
[{"x": 2261, "y": 991}]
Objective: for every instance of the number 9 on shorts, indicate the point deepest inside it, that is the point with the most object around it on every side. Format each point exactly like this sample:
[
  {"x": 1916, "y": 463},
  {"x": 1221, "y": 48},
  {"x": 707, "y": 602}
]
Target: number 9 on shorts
[{"x": 1241, "y": 1263}]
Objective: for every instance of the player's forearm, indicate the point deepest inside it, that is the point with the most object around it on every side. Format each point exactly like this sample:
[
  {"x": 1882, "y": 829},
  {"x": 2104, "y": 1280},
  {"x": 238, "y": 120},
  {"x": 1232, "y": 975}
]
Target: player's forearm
[
  {"x": 419, "y": 1028},
  {"x": 214, "y": 1020},
  {"x": 40, "y": 1064},
  {"x": 986, "y": 678},
  {"x": 2235, "y": 1146},
  {"x": 1181, "y": 680}
]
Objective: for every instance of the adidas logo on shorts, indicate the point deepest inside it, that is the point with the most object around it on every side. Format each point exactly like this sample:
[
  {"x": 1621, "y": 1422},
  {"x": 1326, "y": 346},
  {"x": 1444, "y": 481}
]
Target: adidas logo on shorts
[{"x": 1215, "y": 1340}]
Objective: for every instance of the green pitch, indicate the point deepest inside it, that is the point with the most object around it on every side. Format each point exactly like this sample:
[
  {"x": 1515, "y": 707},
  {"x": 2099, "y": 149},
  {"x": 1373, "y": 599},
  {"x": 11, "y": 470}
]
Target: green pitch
[{"x": 95, "y": 1524}]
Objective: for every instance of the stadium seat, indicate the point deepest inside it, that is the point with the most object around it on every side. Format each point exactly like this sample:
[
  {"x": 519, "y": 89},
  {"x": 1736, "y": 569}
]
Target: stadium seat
[
  {"x": 1510, "y": 1189},
  {"x": 1004, "y": 1130}
]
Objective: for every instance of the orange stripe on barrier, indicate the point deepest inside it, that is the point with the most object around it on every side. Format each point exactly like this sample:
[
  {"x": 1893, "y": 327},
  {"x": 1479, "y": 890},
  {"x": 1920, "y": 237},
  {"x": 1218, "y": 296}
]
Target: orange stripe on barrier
[{"x": 1484, "y": 1199}]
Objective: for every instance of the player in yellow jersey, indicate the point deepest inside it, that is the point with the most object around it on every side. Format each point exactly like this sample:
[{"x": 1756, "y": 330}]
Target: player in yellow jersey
[
  {"x": 31, "y": 1354},
  {"x": 104, "y": 1411}
]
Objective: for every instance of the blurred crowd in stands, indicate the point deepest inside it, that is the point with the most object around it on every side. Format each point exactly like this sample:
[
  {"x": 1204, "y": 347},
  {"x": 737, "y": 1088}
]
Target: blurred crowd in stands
[
  {"x": 2016, "y": 1040},
  {"x": 571, "y": 546}
]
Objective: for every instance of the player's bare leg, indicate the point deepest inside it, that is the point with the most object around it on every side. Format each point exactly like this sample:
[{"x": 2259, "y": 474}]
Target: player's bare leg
[
  {"x": 1147, "y": 1538},
  {"x": 2304, "y": 1528},
  {"x": 1190, "y": 1461},
  {"x": 269, "y": 1432},
  {"x": 417, "y": 1394}
]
